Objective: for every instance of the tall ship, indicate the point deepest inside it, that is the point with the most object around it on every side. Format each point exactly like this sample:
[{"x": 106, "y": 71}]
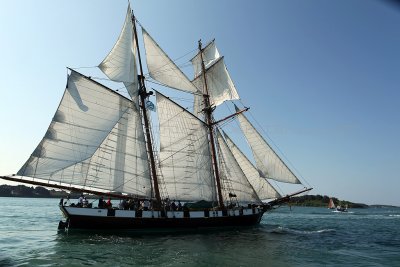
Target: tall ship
[{"x": 168, "y": 165}]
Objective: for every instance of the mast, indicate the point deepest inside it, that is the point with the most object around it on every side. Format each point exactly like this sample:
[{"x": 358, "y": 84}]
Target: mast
[
  {"x": 143, "y": 95},
  {"x": 208, "y": 111}
]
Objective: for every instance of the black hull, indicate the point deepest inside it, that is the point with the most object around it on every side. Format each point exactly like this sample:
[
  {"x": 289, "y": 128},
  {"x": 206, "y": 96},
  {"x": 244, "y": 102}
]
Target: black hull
[{"x": 116, "y": 223}]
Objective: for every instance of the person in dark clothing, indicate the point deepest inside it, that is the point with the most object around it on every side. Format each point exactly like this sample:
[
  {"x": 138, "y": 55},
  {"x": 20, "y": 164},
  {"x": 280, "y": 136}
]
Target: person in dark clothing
[
  {"x": 173, "y": 206},
  {"x": 101, "y": 202}
]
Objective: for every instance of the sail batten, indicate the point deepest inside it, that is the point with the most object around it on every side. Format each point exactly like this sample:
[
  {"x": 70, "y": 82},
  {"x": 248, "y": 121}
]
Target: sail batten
[{"x": 268, "y": 163}]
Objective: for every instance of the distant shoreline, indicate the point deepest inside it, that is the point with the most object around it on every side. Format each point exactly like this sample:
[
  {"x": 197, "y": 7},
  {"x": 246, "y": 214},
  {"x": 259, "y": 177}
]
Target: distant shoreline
[{"x": 42, "y": 192}]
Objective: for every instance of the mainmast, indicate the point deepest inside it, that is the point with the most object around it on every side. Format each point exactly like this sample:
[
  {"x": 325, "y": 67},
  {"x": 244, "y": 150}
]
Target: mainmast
[
  {"x": 209, "y": 121},
  {"x": 143, "y": 95}
]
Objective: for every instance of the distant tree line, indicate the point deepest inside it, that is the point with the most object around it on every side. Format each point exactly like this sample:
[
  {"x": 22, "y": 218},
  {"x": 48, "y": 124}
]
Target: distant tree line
[
  {"x": 38, "y": 191},
  {"x": 322, "y": 201}
]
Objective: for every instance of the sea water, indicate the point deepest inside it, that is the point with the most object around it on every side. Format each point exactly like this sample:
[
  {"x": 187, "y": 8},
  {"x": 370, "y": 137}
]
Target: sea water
[{"x": 298, "y": 236}]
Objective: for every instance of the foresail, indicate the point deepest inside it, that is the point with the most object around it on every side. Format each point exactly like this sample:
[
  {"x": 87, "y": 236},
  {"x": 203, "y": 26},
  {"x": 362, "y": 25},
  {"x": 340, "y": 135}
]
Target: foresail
[
  {"x": 233, "y": 179},
  {"x": 120, "y": 64},
  {"x": 262, "y": 187},
  {"x": 219, "y": 83},
  {"x": 185, "y": 157},
  {"x": 95, "y": 140},
  {"x": 268, "y": 163},
  {"x": 162, "y": 68}
]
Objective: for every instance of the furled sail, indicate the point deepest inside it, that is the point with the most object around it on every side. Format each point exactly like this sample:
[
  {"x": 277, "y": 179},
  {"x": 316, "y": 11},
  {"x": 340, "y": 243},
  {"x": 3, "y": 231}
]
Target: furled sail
[
  {"x": 234, "y": 180},
  {"x": 185, "y": 157},
  {"x": 95, "y": 140},
  {"x": 120, "y": 64},
  {"x": 268, "y": 163},
  {"x": 219, "y": 83},
  {"x": 262, "y": 187},
  {"x": 162, "y": 68}
]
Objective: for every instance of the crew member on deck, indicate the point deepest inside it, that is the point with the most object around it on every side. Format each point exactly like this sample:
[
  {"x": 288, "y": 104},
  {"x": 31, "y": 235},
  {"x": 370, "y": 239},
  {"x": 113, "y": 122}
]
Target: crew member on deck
[
  {"x": 109, "y": 204},
  {"x": 85, "y": 202},
  {"x": 101, "y": 203},
  {"x": 179, "y": 205},
  {"x": 80, "y": 201},
  {"x": 146, "y": 204}
]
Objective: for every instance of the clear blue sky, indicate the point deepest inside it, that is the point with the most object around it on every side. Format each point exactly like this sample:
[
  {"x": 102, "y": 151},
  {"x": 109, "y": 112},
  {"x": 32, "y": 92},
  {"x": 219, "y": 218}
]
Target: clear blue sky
[{"x": 321, "y": 77}]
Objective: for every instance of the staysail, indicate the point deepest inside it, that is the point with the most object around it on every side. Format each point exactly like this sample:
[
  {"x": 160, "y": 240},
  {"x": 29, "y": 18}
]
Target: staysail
[
  {"x": 95, "y": 140},
  {"x": 185, "y": 157},
  {"x": 234, "y": 180},
  {"x": 268, "y": 163},
  {"x": 262, "y": 187},
  {"x": 162, "y": 68}
]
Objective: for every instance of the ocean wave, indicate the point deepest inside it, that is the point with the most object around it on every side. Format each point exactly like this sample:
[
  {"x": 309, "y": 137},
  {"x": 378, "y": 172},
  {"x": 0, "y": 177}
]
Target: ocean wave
[
  {"x": 284, "y": 230},
  {"x": 341, "y": 212},
  {"x": 394, "y": 215}
]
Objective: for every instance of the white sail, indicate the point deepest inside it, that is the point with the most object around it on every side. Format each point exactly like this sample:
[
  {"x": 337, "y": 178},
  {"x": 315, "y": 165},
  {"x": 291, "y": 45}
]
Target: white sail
[
  {"x": 120, "y": 64},
  {"x": 262, "y": 187},
  {"x": 210, "y": 55},
  {"x": 234, "y": 180},
  {"x": 268, "y": 163},
  {"x": 162, "y": 68},
  {"x": 95, "y": 140},
  {"x": 185, "y": 157},
  {"x": 219, "y": 83}
]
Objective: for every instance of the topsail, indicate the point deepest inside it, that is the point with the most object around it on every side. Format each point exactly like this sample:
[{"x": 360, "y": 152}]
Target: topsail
[
  {"x": 120, "y": 64},
  {"x": 162, "y": 68},
  {"x": 219, "y": 83}
]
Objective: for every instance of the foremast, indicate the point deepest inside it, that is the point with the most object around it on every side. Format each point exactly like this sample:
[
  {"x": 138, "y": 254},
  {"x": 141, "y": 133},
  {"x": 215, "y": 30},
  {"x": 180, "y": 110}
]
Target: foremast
[{"x": 143, "y": 95}]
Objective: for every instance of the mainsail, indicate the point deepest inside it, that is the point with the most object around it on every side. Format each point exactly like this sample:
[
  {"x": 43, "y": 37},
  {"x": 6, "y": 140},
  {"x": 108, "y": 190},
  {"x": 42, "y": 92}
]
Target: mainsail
[
  {"x": 185, "y": 158},
  {"x": 268, "y": 163},
  {"x": 95, "y": 140}
]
